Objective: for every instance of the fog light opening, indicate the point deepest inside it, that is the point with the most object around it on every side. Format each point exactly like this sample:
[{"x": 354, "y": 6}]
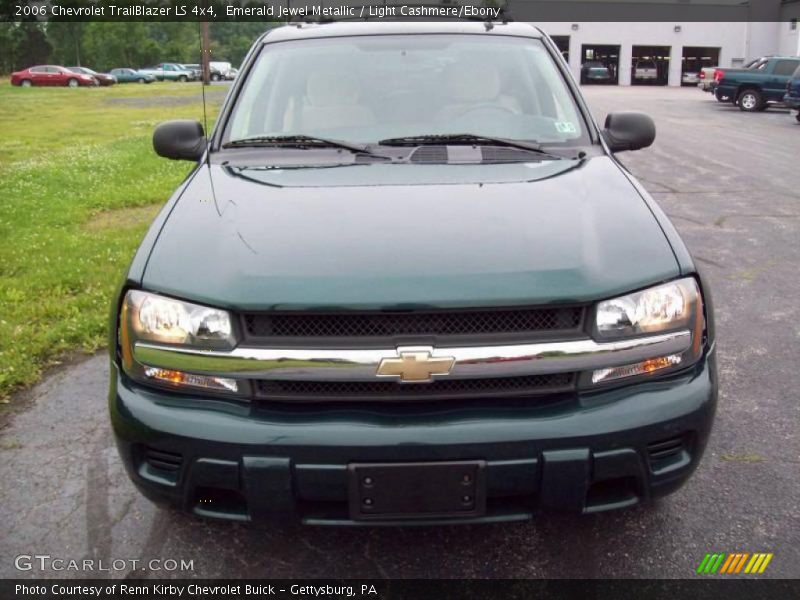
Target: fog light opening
[
  {"x": 650, "y": 365},
  {"x": 180, "y": 378}
]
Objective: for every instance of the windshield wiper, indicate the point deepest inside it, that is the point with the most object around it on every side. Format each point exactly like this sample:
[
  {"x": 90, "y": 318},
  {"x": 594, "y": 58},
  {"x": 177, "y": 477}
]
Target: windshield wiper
[
  {"x": 299, "y": 141},
  {"x": 465, "y": 138}
]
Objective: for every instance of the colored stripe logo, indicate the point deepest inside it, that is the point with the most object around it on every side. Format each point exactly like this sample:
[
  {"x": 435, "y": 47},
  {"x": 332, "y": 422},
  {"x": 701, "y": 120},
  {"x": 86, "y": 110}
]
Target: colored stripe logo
[{"x": 734, "y": 563}]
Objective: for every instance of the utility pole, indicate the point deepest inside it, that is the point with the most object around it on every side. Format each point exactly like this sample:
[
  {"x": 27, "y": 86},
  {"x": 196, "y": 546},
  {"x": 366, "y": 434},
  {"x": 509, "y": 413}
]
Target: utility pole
[{"x": 206, "y": 52}]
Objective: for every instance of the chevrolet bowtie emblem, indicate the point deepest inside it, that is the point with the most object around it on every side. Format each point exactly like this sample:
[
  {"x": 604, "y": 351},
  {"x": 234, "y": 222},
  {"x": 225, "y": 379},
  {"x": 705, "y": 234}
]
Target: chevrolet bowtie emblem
[{"x": 415, "y": 366}]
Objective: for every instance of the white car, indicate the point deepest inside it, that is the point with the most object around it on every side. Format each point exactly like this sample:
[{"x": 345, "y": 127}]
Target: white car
[
  {"x": 221, "y": 70},
  {"x": 706, "y": 78},
  {"x": 690, "y": 78},
  {"x": 645, "y": 70}
]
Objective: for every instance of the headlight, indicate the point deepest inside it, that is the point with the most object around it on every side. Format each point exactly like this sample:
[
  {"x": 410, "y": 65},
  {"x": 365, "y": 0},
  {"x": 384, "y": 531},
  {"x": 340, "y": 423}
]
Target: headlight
[
  {"x": 668, "y": 307},
  {"x": 161, "y": 319},
  {"x": 152, "y": 318}
]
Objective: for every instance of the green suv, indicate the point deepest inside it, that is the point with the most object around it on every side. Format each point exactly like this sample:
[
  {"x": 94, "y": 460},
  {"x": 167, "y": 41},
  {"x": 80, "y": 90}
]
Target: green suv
[{"x": 408, "y": 281}]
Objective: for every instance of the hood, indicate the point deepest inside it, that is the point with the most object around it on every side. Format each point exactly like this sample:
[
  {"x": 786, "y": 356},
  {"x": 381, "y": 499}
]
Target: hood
[{"x": 404, "y": 236}]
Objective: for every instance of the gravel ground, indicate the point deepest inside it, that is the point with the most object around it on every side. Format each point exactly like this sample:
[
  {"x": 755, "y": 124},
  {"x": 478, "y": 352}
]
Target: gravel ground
[{"x": 730, "y": 182}]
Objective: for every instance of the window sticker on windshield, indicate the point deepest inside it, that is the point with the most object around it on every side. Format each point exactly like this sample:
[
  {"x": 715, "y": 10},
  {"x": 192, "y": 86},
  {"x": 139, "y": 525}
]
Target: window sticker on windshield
[{"x": 565, "y": 127}]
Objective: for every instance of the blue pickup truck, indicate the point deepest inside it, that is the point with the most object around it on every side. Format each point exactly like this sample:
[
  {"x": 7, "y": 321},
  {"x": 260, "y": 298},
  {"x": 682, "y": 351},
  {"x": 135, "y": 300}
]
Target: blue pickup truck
[
  {"x": 752, "y": 89},
  {"x": 792, "y": 97}
]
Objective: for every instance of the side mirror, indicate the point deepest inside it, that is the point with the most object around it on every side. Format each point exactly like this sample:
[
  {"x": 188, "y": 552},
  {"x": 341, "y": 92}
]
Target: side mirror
[
  {"x": 629, "y": 131},
  {"x": 180, "y": 140}
]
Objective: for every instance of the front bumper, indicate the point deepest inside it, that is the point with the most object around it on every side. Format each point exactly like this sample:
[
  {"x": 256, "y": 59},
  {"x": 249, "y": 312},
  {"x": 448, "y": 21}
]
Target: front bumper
[{"x": 586, "y": 453}]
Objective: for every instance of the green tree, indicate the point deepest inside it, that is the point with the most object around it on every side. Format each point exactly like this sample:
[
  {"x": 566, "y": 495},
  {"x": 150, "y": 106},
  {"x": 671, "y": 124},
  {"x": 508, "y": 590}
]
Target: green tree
[
  {"x": 106, "y": 45},
  {"x": 66, "y": 37},
  {"x": 178, "y": 42},
  {"x": 231, "y": 41},
  {"x": 6, "y": 47},
  {"x": 29, "y": 45},
  {"x": 109, "y": 45}
]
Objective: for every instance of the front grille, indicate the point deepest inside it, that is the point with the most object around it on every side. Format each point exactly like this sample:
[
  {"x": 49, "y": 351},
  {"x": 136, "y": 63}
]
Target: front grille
[
  {"x": 424, "y": 323},
  {"x": 439, "y": 389}
]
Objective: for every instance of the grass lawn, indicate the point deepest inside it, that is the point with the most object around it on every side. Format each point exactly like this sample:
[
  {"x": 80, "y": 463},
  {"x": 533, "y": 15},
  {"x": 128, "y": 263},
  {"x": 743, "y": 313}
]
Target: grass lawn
[{"x": 80, "y": 185}]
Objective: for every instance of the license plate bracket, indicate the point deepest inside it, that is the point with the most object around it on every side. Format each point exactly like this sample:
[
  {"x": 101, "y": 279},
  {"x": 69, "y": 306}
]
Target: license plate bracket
[{"x": 423, "y": 490}]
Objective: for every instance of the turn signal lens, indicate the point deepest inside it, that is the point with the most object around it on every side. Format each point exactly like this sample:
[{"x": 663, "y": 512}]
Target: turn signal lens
[
  {"x": 179, "y": 378},
  {"x": 641, "y": 368}
]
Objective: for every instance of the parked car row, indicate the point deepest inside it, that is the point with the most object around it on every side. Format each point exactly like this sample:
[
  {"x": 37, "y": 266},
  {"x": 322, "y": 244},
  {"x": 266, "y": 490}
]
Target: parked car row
[
  {"x": 765, "y": 81},
  {"x": 643, "y": 72},
  {"x": 127, "y": 75},
  {"x": 218, "y": 71},
  {"x": 170, "y": 72},
  {"x": 54, "y": 75}
]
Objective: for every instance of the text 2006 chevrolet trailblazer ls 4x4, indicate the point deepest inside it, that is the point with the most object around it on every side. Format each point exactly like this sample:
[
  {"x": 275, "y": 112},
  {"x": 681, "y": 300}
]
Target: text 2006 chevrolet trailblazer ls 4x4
[{"x": 409, "y": 282}]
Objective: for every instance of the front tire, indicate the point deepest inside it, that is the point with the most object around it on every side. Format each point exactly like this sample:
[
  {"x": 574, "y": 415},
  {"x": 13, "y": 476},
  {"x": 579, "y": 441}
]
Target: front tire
[
  {"x": 750, "y": 101},
  {"x": 215, "y": 77},
  {"x": 797, "y": 117},
  {"x": 73, "y": 83},
  {"x": 141, "y": 80},
  {"x": 183, "y": 79}
]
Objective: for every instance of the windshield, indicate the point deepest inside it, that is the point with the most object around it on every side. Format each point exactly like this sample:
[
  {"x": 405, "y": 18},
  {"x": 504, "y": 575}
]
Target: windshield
[{"x": 368, "y": 88}]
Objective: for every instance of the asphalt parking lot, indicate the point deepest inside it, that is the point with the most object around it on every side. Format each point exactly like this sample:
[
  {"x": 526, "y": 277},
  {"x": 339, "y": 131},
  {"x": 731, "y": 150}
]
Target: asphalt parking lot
[{"x": 731, "y": 184}]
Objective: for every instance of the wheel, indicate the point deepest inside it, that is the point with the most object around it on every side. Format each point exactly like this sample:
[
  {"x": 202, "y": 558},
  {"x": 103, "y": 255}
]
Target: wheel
[
  {"x": 215, "y": 77},
  {"x": 26, "y": 83},
  {"x": 141, "y": 80},
  {"x": 73, "y": 83},
  {"x": 183, "y": 79},
  {"x": 797, "y": 117},
  {"x": 750, "y": 101}
]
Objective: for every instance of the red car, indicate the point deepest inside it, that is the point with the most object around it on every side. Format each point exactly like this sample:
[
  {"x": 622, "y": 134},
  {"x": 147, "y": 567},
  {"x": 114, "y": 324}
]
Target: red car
[
  {"x": 102, "y": 78},
  {"x": 50, "y": 75}
]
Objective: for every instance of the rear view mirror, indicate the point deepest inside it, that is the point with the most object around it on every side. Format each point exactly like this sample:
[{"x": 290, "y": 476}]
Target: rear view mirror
[
  {"x": 180, "y": 140},
  {"x": 629, "y": 131}
]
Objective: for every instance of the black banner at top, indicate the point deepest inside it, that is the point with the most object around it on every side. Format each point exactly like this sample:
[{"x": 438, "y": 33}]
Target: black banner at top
[{"x": 377, "y": 10}]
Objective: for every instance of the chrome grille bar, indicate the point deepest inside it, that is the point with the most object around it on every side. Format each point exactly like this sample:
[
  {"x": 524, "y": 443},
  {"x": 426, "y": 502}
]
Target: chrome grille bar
[{"x": 361, "y": 365}]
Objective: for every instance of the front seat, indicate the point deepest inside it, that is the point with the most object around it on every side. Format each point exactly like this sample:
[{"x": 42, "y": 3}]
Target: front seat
[
  {"x": 470, "y": 88},
  {"x": 332, "y": 102}
]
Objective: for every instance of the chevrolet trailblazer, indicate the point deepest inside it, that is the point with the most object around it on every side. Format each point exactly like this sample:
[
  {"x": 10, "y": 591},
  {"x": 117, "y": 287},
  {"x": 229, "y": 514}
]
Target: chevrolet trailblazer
[{"x": 407, "y": 280}]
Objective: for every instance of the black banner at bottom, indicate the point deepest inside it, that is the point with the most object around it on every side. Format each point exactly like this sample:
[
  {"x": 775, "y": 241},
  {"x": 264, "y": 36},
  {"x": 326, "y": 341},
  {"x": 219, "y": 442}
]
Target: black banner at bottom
[{"x": 283, "y": 589}]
